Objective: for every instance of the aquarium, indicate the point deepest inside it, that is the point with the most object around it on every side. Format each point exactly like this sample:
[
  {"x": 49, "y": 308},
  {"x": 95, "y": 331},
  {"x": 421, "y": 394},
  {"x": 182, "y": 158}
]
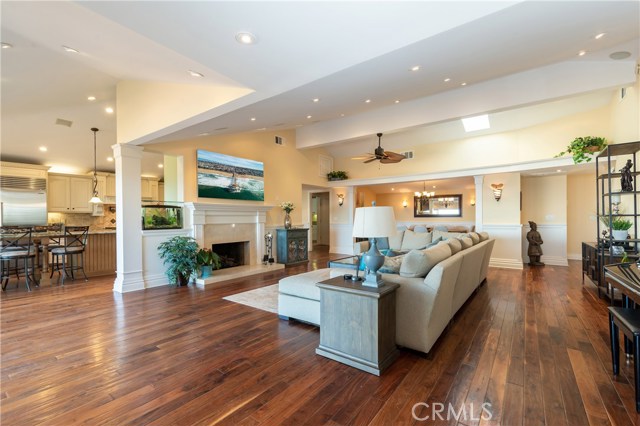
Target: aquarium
[{"x": 160, "y": 216}]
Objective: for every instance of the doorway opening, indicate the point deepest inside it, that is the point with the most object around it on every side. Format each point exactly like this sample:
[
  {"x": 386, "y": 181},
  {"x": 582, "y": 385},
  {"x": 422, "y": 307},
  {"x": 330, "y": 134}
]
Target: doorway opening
[{"x": 320, "y": 219}]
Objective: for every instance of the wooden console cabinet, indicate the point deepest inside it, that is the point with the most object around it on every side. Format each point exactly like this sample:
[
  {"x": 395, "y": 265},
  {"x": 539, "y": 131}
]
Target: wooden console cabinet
[{"x": 293, "y": 245}]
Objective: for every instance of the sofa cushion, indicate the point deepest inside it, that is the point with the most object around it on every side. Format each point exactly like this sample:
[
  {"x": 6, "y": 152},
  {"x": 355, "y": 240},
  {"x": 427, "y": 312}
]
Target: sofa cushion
[
  {"x": 304, "y": 285},
  {"x": 455, "y": 245},
  {"x": 418, "y": 263},
  {"x": 395, "y": 242},
  {"x": 415, "y": 240},
  {"x": 466, "y": 242},
  {"x": 474, "y": 237},
  {"x": 446, "y": 235},
  {"x": 484, "y": 236}
]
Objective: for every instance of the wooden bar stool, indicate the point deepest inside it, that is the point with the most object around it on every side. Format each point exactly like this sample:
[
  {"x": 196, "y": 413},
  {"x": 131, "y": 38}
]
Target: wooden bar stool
[
  {"x": 70, "y": 257},
  {"x": 628, "y": 321}
]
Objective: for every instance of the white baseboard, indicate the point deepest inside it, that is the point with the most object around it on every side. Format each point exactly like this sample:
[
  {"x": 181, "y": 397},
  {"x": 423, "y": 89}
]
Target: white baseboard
[
  {"x": 346, "y": 250},
  {"x": 155, "y": 280},
  {"x": 554, "y": 260},
  {"x": 506, "y": 263},
  {"x": 574, "y": 256}
]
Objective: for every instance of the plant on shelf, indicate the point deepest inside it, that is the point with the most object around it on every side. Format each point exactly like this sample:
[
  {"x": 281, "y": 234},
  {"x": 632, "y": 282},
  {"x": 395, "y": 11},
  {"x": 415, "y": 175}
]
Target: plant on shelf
[
  {"x": 620, "y": 224},
  {"x": 179, "y": 254},
  {"x": 337, "y": 175},
  {"x": 581, "y": 148},
  {"x": 207, "y": 261}
]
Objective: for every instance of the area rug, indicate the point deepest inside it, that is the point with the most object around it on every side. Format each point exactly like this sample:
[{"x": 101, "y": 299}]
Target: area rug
[{"x": 265, "y": 298}]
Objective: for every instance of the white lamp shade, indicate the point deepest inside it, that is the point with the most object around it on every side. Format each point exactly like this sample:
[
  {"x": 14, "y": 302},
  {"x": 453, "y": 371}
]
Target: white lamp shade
[{"x": 374, "y": 222}]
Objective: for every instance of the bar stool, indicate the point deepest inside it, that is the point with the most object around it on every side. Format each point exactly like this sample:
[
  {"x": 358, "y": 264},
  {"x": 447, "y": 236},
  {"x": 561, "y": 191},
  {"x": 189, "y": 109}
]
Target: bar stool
[
  {"x": 17, "y": 253},
  {"x": 628, "y": 321},
  {"x": 75, "y": 241}
]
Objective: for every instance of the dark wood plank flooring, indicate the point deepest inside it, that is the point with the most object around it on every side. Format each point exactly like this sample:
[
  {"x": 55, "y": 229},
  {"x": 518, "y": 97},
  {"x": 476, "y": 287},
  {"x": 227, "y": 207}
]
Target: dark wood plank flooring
[{"x": 533, "y": 344}]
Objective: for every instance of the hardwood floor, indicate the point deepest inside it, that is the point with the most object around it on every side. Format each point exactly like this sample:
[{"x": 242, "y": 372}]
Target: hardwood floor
[{"x": 533, "y": 344}]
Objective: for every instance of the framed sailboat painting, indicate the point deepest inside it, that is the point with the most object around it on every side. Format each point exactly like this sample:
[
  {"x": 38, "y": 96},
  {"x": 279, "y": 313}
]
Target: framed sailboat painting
[{"x": 234, "y": 178}]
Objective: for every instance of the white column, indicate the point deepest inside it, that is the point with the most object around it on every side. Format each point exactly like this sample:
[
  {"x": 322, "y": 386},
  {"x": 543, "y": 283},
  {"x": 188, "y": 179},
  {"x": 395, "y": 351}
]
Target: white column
[
  {"x": 129, "y": 229},
  {"x": 479, "y": 181}
]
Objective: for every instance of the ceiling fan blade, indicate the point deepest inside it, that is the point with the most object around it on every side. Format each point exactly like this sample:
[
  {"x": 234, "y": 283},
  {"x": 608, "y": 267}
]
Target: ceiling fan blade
[
  {"x": 362, "y": 157},
  {"x": 390, "y": 161},
  {"x": 394, "y": 156},
  {"x": 368, "y": 161}
]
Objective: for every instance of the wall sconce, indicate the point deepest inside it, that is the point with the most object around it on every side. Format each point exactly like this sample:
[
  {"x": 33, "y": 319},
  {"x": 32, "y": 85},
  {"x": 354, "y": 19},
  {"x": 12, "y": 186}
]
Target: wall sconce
[
  {"x": 497, "y": 190},
  {"x": 404, "y": 203},
  {"x": 340, "y": 199},
  {"x": 473, "y": 202}
]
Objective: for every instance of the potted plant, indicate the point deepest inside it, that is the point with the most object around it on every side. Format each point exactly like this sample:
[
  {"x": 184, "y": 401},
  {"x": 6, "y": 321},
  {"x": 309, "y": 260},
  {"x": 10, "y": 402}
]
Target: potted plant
[
  {"x": 582, "y": 147},
  {"x": 207, "y": 261},
  {"x": 620, "y": 228},
  {"x": 337, "y": 175},
  {"x": 179, "y": 254}
]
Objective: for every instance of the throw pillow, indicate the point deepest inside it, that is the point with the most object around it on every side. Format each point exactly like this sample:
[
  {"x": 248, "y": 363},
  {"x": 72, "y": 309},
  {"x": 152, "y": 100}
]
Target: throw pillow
[
  {"x": 386, "y": 253},
  {"x": 446, "y": 235},
  {"x": 420, "y": 228},
  {"x": 484, "y": 236},
  {"x": 466, "y": 242},
  {"x": 455, "y": 245},
  {"x": 413, "y": 240},
  {"x": 418, "y": 263},
  {"x": 474, "y": 237},
  {"x": 391, "y": 265},
  {"x": 381, "y": 243},
  {"x": 395, "y": 242}
]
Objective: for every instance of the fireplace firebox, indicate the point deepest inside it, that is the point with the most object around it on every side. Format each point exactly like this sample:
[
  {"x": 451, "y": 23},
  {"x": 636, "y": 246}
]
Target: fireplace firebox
[{"x": 232, "y": 254}]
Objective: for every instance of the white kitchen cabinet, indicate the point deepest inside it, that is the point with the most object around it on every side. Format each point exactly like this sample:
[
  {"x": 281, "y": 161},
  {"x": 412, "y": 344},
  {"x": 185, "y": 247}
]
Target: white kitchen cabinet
[
  {"x": 111, "y": 185},
  {"x": 69, "y": 194},
  {"x": 149, "y": 188}
]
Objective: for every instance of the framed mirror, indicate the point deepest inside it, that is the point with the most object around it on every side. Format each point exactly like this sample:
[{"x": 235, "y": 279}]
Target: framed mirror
[{"x": 438, "y": 206}]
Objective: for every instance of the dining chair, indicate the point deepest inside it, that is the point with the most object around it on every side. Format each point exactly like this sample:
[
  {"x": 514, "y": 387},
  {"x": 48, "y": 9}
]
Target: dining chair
[
  {"x": 65, "y": 258},
  {"x": 17, "y": 253}
]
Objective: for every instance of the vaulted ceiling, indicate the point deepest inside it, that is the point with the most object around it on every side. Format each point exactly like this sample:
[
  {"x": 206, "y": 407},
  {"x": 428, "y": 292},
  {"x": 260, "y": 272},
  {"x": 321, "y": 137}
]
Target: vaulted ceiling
[{"x": 473, "y": 57}]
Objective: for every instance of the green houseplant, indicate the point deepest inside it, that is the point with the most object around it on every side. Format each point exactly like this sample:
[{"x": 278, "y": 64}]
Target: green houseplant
[
  {"x": 179, "y": 254},
  {"x": 207, "y": 261},
  {"x": 581, "y": 148},
  {"x": 337, "y": 175}
]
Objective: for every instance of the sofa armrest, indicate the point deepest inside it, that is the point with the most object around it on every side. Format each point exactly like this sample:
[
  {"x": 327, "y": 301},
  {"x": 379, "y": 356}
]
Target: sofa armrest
[{"x": 360, "y": 247}]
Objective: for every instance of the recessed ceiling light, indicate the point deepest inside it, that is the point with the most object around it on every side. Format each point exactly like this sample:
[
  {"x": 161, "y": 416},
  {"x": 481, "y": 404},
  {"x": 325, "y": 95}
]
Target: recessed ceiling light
[
  {"x": 393, "y": 189},
  {"x": 446, "y": 80},
  {"x": 160, "y": 165},
  {"x": 463, "y": 84},
  {"x": 246, "y": 38},
  {"x": 558, "y": 170},
  {"x": 253, "y": 119},
  {"x": 308, "y": 116},
  {"x": 70, "y": 49},
  {"x": 316, "y": 99},
  {"x": 91, "y": 98},
  {"x": 368, "y": 101},
  {"x": 109, "y": 159},
  {"x": 619, "y": 55},
  {"x": 397, "y": 101},
  {"x": 341, "y": 115},
  {"x": 109, "y": 110},
  {"x": 43, "y": 148},
  {"x": 7, "y": 45},
  {"x": 599, "y": 36},
  {"x": 195, "y": 73},
  {"x": 479, "y": 122},
  {"x": 415, "y": 68},
  {"x": 582, "y": 53}
]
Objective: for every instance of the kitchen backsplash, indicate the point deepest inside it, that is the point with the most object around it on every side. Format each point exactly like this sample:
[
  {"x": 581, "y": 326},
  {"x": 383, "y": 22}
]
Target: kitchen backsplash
[{"x": 84, "y": 219}]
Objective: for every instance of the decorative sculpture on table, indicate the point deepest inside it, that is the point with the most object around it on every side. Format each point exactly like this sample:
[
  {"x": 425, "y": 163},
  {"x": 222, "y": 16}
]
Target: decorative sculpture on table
[
  {"x": 626, "y": 181},
  {"x": 535, "y": 241}
]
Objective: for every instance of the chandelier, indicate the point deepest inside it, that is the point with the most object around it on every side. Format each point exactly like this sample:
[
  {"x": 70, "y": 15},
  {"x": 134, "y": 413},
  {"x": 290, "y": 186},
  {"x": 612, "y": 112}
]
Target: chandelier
[{"x": 424, "y": 195}]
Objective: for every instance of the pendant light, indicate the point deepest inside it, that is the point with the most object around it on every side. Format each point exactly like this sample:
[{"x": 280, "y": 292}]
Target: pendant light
[{"x": 95, "y": 199}]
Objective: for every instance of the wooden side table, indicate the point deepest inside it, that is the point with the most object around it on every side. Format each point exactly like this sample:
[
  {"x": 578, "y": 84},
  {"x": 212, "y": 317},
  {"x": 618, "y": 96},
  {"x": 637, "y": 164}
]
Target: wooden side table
[{"x": 358, "y": 324}]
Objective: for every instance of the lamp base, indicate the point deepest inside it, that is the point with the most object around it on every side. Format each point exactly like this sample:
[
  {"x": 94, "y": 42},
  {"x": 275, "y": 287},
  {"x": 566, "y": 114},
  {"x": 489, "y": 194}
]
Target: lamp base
[{"x": 373, "y": 280}]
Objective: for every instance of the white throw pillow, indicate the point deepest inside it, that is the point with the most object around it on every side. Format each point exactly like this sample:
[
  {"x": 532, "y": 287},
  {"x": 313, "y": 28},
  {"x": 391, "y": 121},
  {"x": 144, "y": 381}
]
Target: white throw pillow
[
  {"x": 446, "y": 235},
  {"x": 418, "y": 263},
  {"x": 395, "y": 242},
  {"x": 415, "y": 240},
  {"x": 420, "y": 228},
  {"x": 466, "y": 242},
  {"x": 454, "y": 244}
]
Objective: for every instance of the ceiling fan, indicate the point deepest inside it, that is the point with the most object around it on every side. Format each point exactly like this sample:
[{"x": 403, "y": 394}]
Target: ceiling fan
[{"x": 385, "y": 157}]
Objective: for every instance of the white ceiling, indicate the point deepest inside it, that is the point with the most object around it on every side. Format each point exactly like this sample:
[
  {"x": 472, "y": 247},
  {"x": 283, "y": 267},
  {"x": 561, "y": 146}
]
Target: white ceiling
[{"x": 340, "y": 52}]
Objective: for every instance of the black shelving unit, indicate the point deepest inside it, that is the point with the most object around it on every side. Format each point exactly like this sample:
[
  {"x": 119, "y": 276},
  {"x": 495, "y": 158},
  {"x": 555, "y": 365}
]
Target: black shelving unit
[{"x": 608, "y": 184}]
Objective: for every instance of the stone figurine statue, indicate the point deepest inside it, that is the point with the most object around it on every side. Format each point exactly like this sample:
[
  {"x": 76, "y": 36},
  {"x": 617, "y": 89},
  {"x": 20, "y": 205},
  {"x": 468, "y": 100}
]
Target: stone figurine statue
[
  {"x": 626, "y": 181},
  {"x": 535, "y": 241}
]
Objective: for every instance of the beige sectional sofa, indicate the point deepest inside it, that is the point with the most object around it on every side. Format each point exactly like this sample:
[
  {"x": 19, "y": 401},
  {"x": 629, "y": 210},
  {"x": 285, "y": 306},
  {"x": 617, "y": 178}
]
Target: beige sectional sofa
[{"x": 424, "y": 304}]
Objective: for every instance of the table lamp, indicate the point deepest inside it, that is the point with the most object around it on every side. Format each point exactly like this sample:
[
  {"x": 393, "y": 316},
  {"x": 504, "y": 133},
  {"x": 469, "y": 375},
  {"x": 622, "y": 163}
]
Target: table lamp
[{"x": 372, "y": 223}]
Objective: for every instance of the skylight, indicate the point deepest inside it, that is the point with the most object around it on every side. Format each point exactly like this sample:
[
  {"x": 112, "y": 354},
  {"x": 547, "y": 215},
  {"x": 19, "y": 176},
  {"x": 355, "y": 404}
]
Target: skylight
[{"x": 479, "y": 122}]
